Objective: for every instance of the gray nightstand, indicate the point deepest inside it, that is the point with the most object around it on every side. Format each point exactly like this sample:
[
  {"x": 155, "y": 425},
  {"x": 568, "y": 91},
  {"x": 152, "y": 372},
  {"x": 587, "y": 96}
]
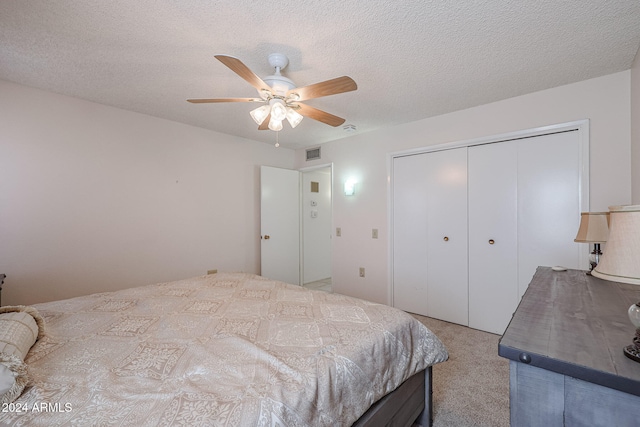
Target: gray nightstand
[{"x": 565, "y": 344}]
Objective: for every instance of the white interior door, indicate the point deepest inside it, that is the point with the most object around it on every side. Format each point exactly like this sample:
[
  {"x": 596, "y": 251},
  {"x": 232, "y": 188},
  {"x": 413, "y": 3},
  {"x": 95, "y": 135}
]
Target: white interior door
[
  {"x": 524, "y": 198},
  {"x": 430, "y": 234},
  {"x": 493, "y": 240},
  {"x": 447, "y": 275},
  {"x": 410, "y": 262},
  {"x": 280, "y": 224},
  {"x": 548, "y": 204}
]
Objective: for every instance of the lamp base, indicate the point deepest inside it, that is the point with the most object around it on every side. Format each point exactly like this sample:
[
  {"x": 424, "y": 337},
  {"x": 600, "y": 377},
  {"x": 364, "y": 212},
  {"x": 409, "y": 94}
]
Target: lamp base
[
  {"x": 633, "y": 351},
  {"x": 594, "y": 258}
]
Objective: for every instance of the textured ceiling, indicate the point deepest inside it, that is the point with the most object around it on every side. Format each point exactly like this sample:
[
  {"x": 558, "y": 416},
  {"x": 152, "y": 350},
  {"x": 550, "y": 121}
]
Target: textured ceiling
[{"x": 410, "y": 59}]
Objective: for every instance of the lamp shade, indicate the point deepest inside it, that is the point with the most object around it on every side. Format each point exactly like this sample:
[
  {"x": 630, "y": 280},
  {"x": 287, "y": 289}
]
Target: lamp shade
[
  {"x": 594, "y": 227},
  {"x": 275, "y": 124},
  {"x": 278, "y": 109},
  {"x": 293, "y": 117},
  {"x": 621, "y": 260},
  {"x": 260, "y": 114}
]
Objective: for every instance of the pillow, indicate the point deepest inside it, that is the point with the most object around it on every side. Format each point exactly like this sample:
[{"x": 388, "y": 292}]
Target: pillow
[{"x": 20, "y": 327}]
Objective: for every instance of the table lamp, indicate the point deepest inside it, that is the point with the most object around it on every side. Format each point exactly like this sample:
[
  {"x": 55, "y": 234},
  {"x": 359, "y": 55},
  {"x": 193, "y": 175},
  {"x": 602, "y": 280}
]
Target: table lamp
[
  {"x": 594, "y": 228},
  {"x": 621, "y": 262}
]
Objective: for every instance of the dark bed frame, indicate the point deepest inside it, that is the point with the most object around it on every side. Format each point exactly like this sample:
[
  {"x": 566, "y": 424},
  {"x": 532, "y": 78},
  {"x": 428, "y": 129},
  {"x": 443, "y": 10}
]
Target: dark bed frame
[{"x": 407, "y": 405}]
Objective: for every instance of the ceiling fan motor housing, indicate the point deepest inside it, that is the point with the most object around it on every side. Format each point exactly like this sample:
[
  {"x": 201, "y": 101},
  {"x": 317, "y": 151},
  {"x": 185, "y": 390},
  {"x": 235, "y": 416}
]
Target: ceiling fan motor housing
[{"x": 278, "y": 83}]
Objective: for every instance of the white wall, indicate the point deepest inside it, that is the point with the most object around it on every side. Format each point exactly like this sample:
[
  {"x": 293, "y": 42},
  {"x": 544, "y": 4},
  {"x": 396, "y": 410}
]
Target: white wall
[
  {"x": 316, "y": 230},
  {"x": 605, "y": 101},
  {"x": 635, "y": 130},
  {"x": 94, "y": 198}
]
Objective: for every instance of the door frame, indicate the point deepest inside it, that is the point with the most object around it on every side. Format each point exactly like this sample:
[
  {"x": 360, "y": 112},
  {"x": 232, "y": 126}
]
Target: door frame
[
  {"x": 301, "y": 234},
  {"x": 581, "y": 126}
]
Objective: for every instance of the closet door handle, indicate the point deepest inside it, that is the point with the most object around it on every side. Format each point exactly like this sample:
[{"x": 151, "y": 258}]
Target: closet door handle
[
  {"x": 491, "y": 241},
  {"x": 446, "y": 239}
]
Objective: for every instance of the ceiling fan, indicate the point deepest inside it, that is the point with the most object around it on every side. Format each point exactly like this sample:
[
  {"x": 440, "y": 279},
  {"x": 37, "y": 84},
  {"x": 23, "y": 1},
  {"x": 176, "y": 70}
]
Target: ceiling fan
[{"x": 280, "y": 97}]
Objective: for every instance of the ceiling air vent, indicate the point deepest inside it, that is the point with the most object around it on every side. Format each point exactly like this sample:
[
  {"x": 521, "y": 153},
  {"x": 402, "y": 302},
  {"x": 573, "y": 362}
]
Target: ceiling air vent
[{"x": 313, "y": 154}]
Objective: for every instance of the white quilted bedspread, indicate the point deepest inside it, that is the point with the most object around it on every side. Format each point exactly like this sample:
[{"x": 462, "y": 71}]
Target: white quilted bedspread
[{"x": 218, "y": 350}]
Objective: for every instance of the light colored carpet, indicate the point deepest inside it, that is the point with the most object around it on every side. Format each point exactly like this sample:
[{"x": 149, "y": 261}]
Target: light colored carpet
[{"x": 471, "y": 389}]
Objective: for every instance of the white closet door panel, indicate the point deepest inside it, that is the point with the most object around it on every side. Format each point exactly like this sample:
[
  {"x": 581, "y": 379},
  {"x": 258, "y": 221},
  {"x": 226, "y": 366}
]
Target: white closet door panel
[
  {"x": 447, "y": 276},
  {"x": 548, "y": 204},
  {"x": 409, "y": 234},
  {"x": 493, "y": 267}
]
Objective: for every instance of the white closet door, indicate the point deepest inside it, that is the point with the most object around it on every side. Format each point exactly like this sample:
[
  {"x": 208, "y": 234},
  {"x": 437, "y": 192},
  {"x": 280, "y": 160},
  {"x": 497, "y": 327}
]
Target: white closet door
[
  {"x": 493, "y": 245},
  {"x": 447, "y": 277},
  {"x": 410, "y": 234},
  {"x": 548, "y": 204}
]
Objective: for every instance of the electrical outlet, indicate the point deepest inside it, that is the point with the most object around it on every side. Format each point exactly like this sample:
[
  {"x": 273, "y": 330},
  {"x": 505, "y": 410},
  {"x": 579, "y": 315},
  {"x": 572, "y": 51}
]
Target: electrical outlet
[
  {"x": 212, "y": 271},
  {"x": 361, "y": 271},
  {"x": 338, "y": 231},
  {"x": 374, "y": 233}
]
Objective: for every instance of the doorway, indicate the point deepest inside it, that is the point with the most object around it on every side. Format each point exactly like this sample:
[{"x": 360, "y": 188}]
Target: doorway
[{"x": 316, "y": 226}]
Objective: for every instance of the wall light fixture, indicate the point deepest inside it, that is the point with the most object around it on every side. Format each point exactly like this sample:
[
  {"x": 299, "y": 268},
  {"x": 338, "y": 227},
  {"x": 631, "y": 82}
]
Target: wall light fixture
[{"x": 350, "y": 187}]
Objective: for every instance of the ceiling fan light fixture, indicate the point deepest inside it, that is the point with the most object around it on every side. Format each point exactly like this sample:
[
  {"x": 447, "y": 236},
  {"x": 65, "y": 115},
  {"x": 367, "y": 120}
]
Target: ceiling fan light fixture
[
  {"x": 278, "y": 109},
  {"x": 275, "y": 124},
  {"x": 293, "y": 117},
  {"x": 260, "y": 114}
]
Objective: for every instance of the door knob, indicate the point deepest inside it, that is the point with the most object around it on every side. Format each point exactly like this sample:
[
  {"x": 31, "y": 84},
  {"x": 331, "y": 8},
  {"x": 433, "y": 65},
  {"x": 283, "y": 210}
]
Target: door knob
[
  {"x": 491, "y": 241},
  {"x": 267, "y": 237},
  {"x": 446, "y": 239}
]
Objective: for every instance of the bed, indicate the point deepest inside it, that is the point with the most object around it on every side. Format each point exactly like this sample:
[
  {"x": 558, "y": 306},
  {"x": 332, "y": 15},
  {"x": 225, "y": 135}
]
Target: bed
[{"x": 227, "y": 349}]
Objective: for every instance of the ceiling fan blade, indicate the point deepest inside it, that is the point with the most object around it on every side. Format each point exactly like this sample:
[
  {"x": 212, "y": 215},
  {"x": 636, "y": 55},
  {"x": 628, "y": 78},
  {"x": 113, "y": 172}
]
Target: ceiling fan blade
[
  {"x": 265, "y": 123},
  {"x": 319, "y": 115},
  {"x": 243, "y": 71},
  {"x": 329, "y": 87},
  {"x": 204, "y": 101}
]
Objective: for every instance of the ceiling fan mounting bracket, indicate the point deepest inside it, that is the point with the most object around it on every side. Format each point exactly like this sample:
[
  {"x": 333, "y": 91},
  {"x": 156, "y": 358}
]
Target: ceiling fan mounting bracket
[{"x": 279, "y": 61}]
